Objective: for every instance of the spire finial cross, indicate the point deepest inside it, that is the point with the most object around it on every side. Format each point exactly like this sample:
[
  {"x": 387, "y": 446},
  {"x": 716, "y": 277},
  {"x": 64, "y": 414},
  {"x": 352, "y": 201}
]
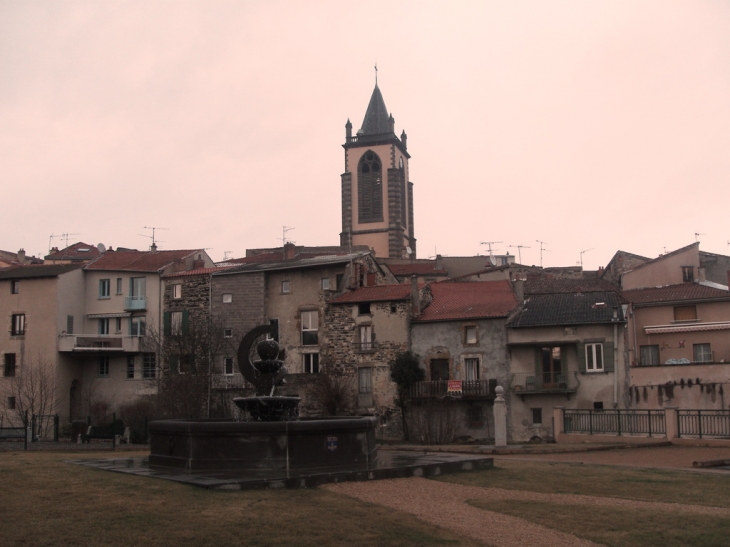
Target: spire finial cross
[{"x": 376, "y": 74}]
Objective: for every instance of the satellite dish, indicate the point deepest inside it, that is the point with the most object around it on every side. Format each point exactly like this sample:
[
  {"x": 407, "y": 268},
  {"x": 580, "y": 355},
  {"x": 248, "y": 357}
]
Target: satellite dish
[
  {"x": 101, "y": 247},
  {"x": 409, "y": 251},
  {"x": 492, "y": 260}
]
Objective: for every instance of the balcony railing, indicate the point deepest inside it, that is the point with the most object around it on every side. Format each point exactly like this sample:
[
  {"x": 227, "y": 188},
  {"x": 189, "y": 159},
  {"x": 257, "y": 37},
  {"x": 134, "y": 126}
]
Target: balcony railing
[
  {"x": 366, "y": 347},
  {"x": 470, "y": 389},
  {"x": 132, "y": 303},
  {"x": 548, "y": 382},
  {"x": 91, "y": 343}
]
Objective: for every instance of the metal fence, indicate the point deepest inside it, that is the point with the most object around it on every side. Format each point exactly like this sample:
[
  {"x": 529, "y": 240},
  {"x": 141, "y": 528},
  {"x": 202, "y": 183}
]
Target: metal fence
[
  {"x": 703, "y": 423},
  {"x": 617, "y": 422}
]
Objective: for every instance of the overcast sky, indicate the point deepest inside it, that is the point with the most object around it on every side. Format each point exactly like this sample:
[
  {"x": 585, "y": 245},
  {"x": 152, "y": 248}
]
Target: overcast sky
[{"x": 599, "y": 125}]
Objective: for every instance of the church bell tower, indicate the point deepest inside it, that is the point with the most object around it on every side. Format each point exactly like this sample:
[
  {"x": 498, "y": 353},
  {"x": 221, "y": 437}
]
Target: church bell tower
[{"x": 377, "y": 197}]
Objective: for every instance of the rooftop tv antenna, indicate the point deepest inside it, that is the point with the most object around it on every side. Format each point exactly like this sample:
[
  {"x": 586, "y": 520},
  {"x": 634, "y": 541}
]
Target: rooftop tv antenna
[
  {"x": 62, "y": 236},
  {"x": 582, "y": 253},
  {"x": 519, "y": 250},
  {"x": 491, "y": 254},
  {"x": 153, "y": 228},
  {"x": 542, "y": 248},
  {"x": 697, "y": 235},
  {"x": 284, "y": 230},
  {"x": 226, "y": 255}
]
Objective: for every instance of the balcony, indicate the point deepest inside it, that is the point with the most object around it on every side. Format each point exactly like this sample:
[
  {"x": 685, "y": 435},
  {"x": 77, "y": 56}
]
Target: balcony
[
  {"x": 95, "y": 343},
  {"x": 366, "y": 347},
  {"x": 135, "y": 303},
  {"x": 470, "y": 389},
  {"x": 541, "y": 384}
]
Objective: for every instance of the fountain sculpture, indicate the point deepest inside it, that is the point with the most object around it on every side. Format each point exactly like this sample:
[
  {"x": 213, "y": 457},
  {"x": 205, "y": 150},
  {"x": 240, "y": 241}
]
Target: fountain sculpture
[{"x": 274, "y": 443}]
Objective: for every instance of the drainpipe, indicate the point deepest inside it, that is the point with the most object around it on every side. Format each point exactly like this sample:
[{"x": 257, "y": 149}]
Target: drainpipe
[{"x": 615, "y": 357}]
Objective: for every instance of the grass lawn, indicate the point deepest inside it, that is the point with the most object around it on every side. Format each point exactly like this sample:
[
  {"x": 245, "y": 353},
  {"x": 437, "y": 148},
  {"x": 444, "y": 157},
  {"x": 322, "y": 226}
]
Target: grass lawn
[
  {"x": 619, "y": 527},
  {"x": 48, "y": 502}
]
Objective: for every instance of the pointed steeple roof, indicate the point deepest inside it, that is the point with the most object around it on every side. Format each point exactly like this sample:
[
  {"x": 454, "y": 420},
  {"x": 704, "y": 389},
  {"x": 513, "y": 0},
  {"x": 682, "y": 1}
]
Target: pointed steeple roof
[{"x": 376, "y": 120}]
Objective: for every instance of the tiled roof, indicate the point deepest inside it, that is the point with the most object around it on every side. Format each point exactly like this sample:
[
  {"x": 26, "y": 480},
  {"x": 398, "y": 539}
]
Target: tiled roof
[
  {"x": 293, "y": 263},
  {"x": 547, "y": 285},
  {"x": 416, "y": 268},
  {"x": 475, "y": 300},
  {"x": 568, "y": 309},
  {"x": 376, "y": 118},
  {"x": 138, "y": 261},
  {"x": 37, "y": 271},
  {"x": 77, "y": 251},
  {"x": 378, "y": 293},
  {"x": 198, "y": 271},
  {"x": 675, "y": 293}
]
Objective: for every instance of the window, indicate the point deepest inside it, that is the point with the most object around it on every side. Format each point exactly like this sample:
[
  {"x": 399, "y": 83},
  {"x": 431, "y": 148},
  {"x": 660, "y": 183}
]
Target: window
[
  {"x": 228, "y": 366},
  {"x": 103, "y": 366},
  {"x": 17, "y": 327},
  {"x": 9, "y": 364},
  {"x": 104, "y": 325},
  {"x": 176, "y": 320},
  {"x": 285, "y": 287},
  {"x": 369, "y": 188},
  {"x": 471, "y": 366},
  {"x": 119, "y": 285},
  {"x": 594, "y": 357},
  {"x": 138, "y": 326},
  {"x": 275, "y": 323},
  {"x": 598, "y": 405},
  {"x": 310, "y": 363},
  {"x": 685, "y": 313},
  {"x": 649, "y": 355},
  {"x": 363, "y": 308},
  {"x": 118, "y": 330},
  {"x": 11, "y": 403},
  {"x": 439, "y": 369},
  {"x": 702, "y": 353},
  {"x": 325, "y": 283},
  {"x": 69, "y": 324},
  {"x": 149, "y": 365},
  {"x": 310, "y": 328},
  {"x": 130, "y": 367},
  {"x": 177, "y": 291},
  {"x": 227, "y": 298},
  {"x": 536, "y": 416},
  {"x": 365, "y": 380},
  {"x": 227, "y": 333},
  {"x": 474, "y": 416},
  {"x": 688, "y": 275},
  {"x": 338, "y": 280},
  {"x": 104, "y": 288},
  {"x": 470, "y": 335},
  {"x": 551, "y": 366},
  {"x": 14, "y": 286},
  {"x": 366, "y": 337}
]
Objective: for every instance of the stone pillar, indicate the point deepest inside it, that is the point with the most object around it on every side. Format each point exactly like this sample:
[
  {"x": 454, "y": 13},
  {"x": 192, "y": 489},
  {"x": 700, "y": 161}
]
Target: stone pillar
[
  {"x": 558, "y": 423},
  {"x": 670, "y": 419},
  {"x": 500, "y": 418}
]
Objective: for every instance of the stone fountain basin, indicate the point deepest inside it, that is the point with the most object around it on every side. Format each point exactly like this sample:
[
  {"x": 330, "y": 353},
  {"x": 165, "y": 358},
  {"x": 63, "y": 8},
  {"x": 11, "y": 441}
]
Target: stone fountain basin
[{"x": 287, "y": 449}]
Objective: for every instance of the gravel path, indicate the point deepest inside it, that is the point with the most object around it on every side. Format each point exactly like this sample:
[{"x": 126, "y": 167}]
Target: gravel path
[{"x": 444, "y": 504}]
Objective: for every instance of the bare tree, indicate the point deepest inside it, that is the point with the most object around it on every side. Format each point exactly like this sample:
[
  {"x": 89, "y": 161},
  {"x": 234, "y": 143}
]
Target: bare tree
[
  {"x": 185, "y": 357},
  {"x": 32, "y": 391}
]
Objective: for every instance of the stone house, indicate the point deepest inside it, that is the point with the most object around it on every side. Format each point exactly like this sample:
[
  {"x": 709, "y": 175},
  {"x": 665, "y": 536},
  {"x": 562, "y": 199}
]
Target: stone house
[
  {"x": 461, "y": 340},
  {"x": 365, "y": 330},
  {"x": 289, "y": 294},
  {"x": 566, "y": 348},
  {"x": 39, "y": 305}
]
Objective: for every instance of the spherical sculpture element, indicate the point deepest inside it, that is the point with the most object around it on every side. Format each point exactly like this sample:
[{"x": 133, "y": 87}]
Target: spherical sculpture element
[{"x": 268, "y": 350}]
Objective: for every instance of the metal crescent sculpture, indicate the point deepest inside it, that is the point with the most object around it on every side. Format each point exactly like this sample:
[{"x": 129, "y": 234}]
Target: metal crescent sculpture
[{"x": 264, "y": 383}]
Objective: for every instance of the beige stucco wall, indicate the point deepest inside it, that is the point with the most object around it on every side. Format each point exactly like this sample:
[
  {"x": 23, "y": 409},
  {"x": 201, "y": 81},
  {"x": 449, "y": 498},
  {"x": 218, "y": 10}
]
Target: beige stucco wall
[
  {"x": 667, "y": 271},
  {"x": 591, "y": 387}
]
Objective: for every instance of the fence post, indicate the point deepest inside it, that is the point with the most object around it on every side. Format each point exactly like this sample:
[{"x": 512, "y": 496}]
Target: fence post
[
  {"x": 114, "y": 431},
  {"x": 671, "y": 422},
  {"x": 649, "y": 418},
  {"x": 590, "y": 421},
  {"x": 558, "y": 422},
  {"x": 618, "y": 421},
  {"x": 25, "y": 437},
  {"x": 55, "y": 427}
]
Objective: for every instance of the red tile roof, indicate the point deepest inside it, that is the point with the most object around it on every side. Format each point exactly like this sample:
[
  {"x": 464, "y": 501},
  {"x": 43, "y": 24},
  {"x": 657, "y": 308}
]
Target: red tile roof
[
  {"x": 199, "y": 271},
  {"x": 475, "y": 300},
  {"x": 138, "y": 261},
  {"x": 547, "y": 285},
  {"x": 675, "y": 293},
  {"x": 77, "y": 251},
  {"x": 378, "y": 293}
]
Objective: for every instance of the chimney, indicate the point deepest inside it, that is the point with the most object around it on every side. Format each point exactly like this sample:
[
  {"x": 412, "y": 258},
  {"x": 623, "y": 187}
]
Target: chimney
[
  {"x": 415, "y": 301},
  {"x": 153, "y": 247},
  {"x": 289, "y": 250},
  {"x": 519, "y": 286},
  {"x": 439, "y": 263},
  {"x": 21, "y": 256},
  {"x": 198, "y": 263},
  {"x": 701, "y": 275}
]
